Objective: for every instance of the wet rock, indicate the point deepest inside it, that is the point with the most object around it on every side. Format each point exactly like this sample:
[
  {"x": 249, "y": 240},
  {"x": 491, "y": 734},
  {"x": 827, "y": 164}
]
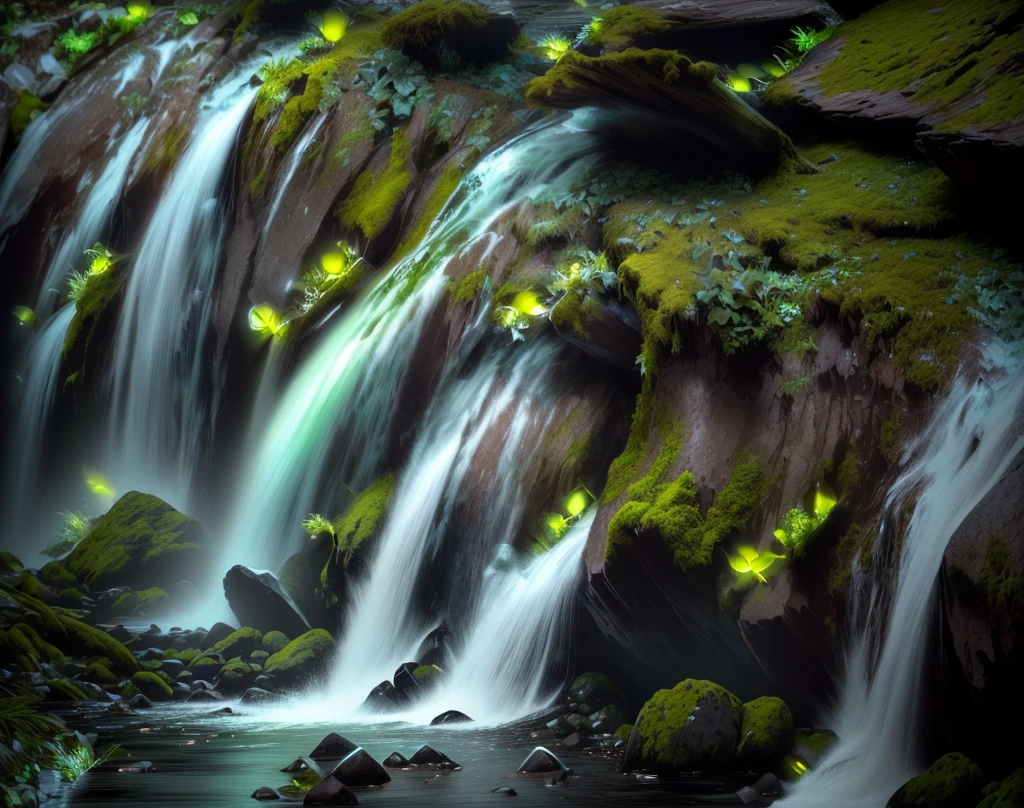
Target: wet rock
[
  {"x": 222, "y": 711},
  {"x": 602, "y": 328},
  {"x": 264, "y": 793},
  {"x": 406, "y": 685},
  {"x": 359, "y": 770},
  {"x": 697, "y": 727},
  {"x": 201, "y": 684},
  {"x": 303, "y": 660},
  {"x": 172, "y": 667},
  {"x": 435, "y": 650},
  {"x": 429, "y": 757},
  {"x": 256, "y": 695},
  {"x": 595, "y": 690},
  {"x": 383, "y": 698},
  {"x": 607, "y": 719},
  {"x": 258, "y": 600},
  {"x": 570, "y": 741},
  {"x": 207, "y": 668},
  {"x": 810, "y": 746},
  {"x": 265, "y": 682},
  {"x": 218, "y": 633},
  {"x": 560, "y": 727},
  {"x": 200, "y": 696},
  {"x": 766, "y": 789},
  {"x": 952, "y": 781},
  {"x": 543, "y": 761},
  {"x": 139, "y": 702},
  {"x": 150, "y": 655},
  {"x": 450, "y": 717},
  {"x": 506, "y": 791},
  {"x": 333, "y": 747},
  {"x": 329, "y": 792},
  {"x": 297, "y": 766},
  {"x": 766, "y": 733},
  {"x": 396, "y": 760}
]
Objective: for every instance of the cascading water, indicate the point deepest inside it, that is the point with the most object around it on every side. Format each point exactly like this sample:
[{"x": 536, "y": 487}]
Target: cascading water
[
  {"x": 357, "y": 368},
  {"x": 383, "y": 629},
  {"x": 159, "y": 411},
  {"x": 973, "y": 438},
  {"x": 288, "y": 172},
  {"x": 41, "y": 368}
]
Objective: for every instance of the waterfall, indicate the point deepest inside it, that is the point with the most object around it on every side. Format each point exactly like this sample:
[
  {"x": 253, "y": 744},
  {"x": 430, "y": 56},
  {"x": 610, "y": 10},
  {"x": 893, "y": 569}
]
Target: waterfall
[
  {"x": 383, "y": 629},
  {"x": 38, "y": 386},
  {"x": 159, "y": 411},
  {"x": 294, "y": 160},
  {"x": 332, "y": 423},
  {"x": 974, "y": 436},
  {"x": 93, "y": 221}
]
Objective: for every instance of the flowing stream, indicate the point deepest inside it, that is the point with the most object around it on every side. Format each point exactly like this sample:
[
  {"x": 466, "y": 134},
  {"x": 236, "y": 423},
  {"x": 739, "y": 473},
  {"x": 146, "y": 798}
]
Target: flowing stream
[
  {"x": 161, "y": 398},
  {"x": 974, "y": 436}
]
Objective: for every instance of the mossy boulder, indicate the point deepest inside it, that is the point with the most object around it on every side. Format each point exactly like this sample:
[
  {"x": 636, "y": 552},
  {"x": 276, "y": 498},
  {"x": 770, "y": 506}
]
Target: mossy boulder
[
  {"x": 141, "y": 542},
  {"x": 22, "y": 644},
  {"x": 236, "y": 676},
  {"x": 240, "y": 644},
  {"x": 623, "y": 732},
  {"x": 55, "y": 574},
  {"x": 953, "y": 781},
  {"x": 695, "y": 726},
  {"x": 449, "y": 34},
  {"x": 304, "y": 658},
  {"x": 148, "y": 602},
  {"x": 152, "y": 686},
  {"x": 78, "y": 637},
  {"x": 765, "y": 734},
  {"x": 10, "y": 563},
  {"x": 595, "y": 690},
  {"x": 65, "y": 690},
  {"x": 274, "y": 641},
  {"x": 605, "y": 719},
  {"x": 100, "y": 673},
  {"x": 206, "y": 667},
  {"x": 33, "y": 587},
  {"x": 1006, "y": 794}
]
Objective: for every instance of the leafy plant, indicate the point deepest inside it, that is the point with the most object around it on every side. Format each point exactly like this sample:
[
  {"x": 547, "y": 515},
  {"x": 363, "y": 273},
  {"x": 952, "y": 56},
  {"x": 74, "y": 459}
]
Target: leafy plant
[
  {"x": 76, "y": 527},
  {"x": 334, "y": 266},
  {"x": 805, "y": 40},
  {"x": 554, "y": 526},
  {"x": 26, "y": 316},
  {"x": 73, "y": 755},
  {"x": 750, "y": 565},
  {"x": 267, "y": 322},
  {"x": 518, "y": 316},
  {"x": 186, "y": 17},
  {"x": 316, "y": 525},
  {"x": 790, "y": 387},
  {"x": 999, "y": 301},
  {"x": 312, "y": 44},
  {"x": 554, "y": 46},
  {"x": 393, "y": 80}
]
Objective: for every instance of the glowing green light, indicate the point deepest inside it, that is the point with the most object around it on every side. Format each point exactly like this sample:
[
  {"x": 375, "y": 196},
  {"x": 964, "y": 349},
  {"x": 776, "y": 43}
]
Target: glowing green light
[
  {"x": 137, "y": 11},
  {"x": 577, "y": 502},
  {"x": 528, "y": 303},
  {"x": 555, "y": 46},
  {"x": 98, "y": 484},
  {"x": 751, "y": 561},
  {"x": 773, "y": 69},
  {"x": 780, "y": 534},
  {"x": 334, "y": 263},
  {"x": 824, "y": 501},
  {"x": 557, "y": 523},
  {"x": 26, "y": 316},
  {"x": 266, "y": 321},
  {"x": 749, "y": 71},
  {"x": 738, "y": 82},
  {"x": 333, "y": 25}
]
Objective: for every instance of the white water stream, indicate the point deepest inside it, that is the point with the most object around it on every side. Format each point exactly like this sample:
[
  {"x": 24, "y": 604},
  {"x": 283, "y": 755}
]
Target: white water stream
[{"x": 974, "y": 436}]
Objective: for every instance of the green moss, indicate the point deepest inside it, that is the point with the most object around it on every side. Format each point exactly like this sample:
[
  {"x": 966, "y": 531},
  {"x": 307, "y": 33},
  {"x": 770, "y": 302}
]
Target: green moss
[
  {"x": 239, "y": 643},
  {"x": 23, "y": 644},
  {"x": 938, "y": 60},
  {"x": 620, "y": 26},
  {"x": 274, "y": 641},
  {"x": 319, "y": 75},
  {"x": 892, "y": 430},
  {"x": 375, "y": 195},
  {"x": 1007, "y": 794},
  {"x": 623, "y": 732},
  {"x": 85, "y": 639},
  {"x": 100, "y": 294},
  {"x": 649, "y": 422},
  {"x": 667, "y": 714},
  {"x": 65, "y": 690},
  {"x": 596, "y": 690},
  {"x": 1003, "y": 590},
  {"x": 141, "y": 540},
  {"x": 670, "y": 66},
  {"x": 425, "y": 673},
  {"x": 152, "y": 686},
  {"x": 56, "y": 574},
  {"x": 952, "y": 780},
  {"x": 623, "y": 526},
  {"x": 425, "y": 23},
  {"x": 360, "y": 521},
  {"x": 146, "y": 602},
  {"x": 302, "y": 655},
  {"x": 165, "y": 153},
  {"x": 25, "y": 110},
  {"x": 676, "y": 516},
  {"x": 468, "y": 288},
  {"x": 100, "y": 673},
  {"x": 32, "y": 586},
  {"x": 576, "y": 310},
  {"x": 446, "y": 185},
  {"x": 855, "y": 543},
  {"x": 765, "y": 732},
  {"x": 849, "y": 469},
  {"x": 10, "y": 563},
  {"x": 258, "y": 185}
]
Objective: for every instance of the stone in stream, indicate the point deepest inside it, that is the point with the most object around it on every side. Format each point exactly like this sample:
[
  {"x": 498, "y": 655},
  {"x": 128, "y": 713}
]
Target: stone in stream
[
  {"x": 329, "y": 792},
  {"x": 405, "y": 682},
  {"x": 429, "y": 757},
  {"x": 333, "y": 747},
  {"x": 383, "y": 698},
  {"x": 571, "y": 740},
  {"x": 257, "y": 695},
  {"x": 507, "y": 791},
  {"x": 434, "y": 650},
  {"x": 204, "y": 696},
  {"x": 264, "y": 793},
  {"x": 396, "y": 760},
  {"x": 258, "y": 600},
  {"x": 296, "y": 766},
  {"x": 359, "y": 770},
  {"x": 451, "y": 717},
  {"x": 766, "y": 789},
  {"x": 542, "y": 761},
  {"x": 139, "y": 702}
]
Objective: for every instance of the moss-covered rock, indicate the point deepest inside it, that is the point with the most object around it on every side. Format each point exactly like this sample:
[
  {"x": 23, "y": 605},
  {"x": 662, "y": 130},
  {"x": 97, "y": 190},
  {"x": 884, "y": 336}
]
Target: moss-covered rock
[
  {"x": 56, "y": 575},
  {"x": 10, "y": 563},
  {"x": 94, "y": 314},
  {"x": 207, "y": 667},
  {"x": 766, "y": 733},
  {"x": 304, "y": 658},
  {"x": 65, "y": 690},
  {"x": 274, "y": 641},
  {"x": 240, "y": 644},
  {"x": 695, "y": 726},
  {"x": 236, "y": 676},
  {"x": 78, "y": 637},
  {"x": 100, "y": 673},
  {"x": 22, "y": 644},
  {"x": 376, "y": 193},
  {"x": 25, "y": 110},
  {"x": 953, "y": 781},
  {"x": 32, "y": 586},
  {"x": 142, "y": 542},
  {"x": 148, "y": 602},
  {"x": 450, "y": 33},
  {"x": 151, "y": 685},
  {"x": 1006, "y": 794},
  {"x": 623, "y": 732},
  {"x": 595, "y": 690}
]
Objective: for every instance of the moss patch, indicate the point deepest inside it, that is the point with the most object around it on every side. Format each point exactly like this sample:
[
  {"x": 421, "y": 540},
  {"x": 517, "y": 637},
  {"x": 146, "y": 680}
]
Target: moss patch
[
  {"x": 1007, "y": 794},
  {"x": 765, "y": 733},
  {"x": 100, "y": 294},
  {"x": 468, "y": 288},
  {"x": 855, "y": 544},
  {"x": 891, "y": 432},
  {"x": 240, "y": 643},
  {"x": 149, "y": 601},
  {"x": 25, "y": 110},
  {"x": 152, "y": 686},
  {"x": 274, "y": 641},
  {"x": 424, "y": 24},
  {"x": 1003, "y": 590},
  {"x": 302, "y": 657},
  {"x": 141, "y": 541},
  {"x": 620, "y": 26},
  {"x": 85, "y": 639},
  {"x": 360, "y": 521},
  {"x": 446, "y": 185},
  {"x": 375, "y": 195},
  {"x": 952, "y": 780}
]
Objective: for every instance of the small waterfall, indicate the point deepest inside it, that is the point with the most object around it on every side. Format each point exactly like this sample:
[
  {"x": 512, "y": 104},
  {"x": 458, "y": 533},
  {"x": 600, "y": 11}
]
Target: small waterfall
[
  {"x": 159, "y": 411},
  {"x": 93, "y": 221},
  {"x": 332, "y": 423},
  {"x": 505, "y": 669},
  {"x": 39, "y": 378},
  {"x": 288, "y": 172},
  {"x": 383, "y": 629},
  {"x": 974, "y": 436}
]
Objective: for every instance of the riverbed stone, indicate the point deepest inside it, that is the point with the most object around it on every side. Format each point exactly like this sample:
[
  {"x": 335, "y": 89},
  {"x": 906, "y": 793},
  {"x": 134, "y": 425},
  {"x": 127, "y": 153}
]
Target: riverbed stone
[
  {"x": 333, "y": 747},
  {"x": 359, "y": 770}
]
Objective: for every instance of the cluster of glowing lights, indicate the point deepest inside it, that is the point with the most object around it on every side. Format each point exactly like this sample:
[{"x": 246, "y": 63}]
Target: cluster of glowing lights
[
  {"x": 138, "y": 11},
  {"x": 337, "y": 262},
  {"x": 26, "y": 316},
  {"x": 97, "y": 483},
  {"x": 267, "y": 321},
  {"x": 333, "y": 25},
  {"x": 750, "y": 562},
  {"x": 555, "y": 46},
  {"x": 575, "y": 504}
]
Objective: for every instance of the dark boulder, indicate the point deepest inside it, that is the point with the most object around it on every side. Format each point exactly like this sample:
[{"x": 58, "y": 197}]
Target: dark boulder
[
  {"x": 383, "y": 698},
  {"x": 766, "y": 789},
  {"x": 595, "y": 690},
  {"x": 139, "y": 702},
  {"x": 428, "y": 757},
  {"x": 259, "y": 601},
  {"x": 406, "y": 684},
  {"x": 296, "y": 766},
  {"x": 333, "y": 747},
  {"x": 201, "y": 696},
  {"x": 396, "y": 760},
  {"x": 359, "y": 770},
  {"x": 217, "y": 633},
  {"x": 119, "y": 632},
  {"x": 257, "y": 695},
  {"x": 506, "y": 791},
  {"x": 601, "y": 327},
  {"x": 264, "y": 793},
  {"x": 543, "y": 761},
  {"x": 953, "y": 781},
  {"x": 451, "y": 717},
  {"x": 435, "y": 648},
  {"x": 329, "y": 792}
]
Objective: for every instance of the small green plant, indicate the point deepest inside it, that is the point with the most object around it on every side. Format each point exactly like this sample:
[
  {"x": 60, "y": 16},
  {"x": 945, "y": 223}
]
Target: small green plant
[
  {"x": 316, "y": 525},
  {"x": 313, "y": 44},
  {"x": 334, "y": 266},
  {"x": 519, "y": 315},
  {"x": 750, "y": 566},
  {"x": 26, "y": 316},
  {"x": 76, "y": 527},
  {"x": 554, "y": 526},
  {"x": 806, "y": 40},
  {"x": 394, "y": 81},
  {"x": 267, "y": 322},
  {"x": 100, "y": 261},
  {"x": 790, "y": 387},
  {"x": 554, "y": 46},
  {"x": 73, "y": 755}
]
